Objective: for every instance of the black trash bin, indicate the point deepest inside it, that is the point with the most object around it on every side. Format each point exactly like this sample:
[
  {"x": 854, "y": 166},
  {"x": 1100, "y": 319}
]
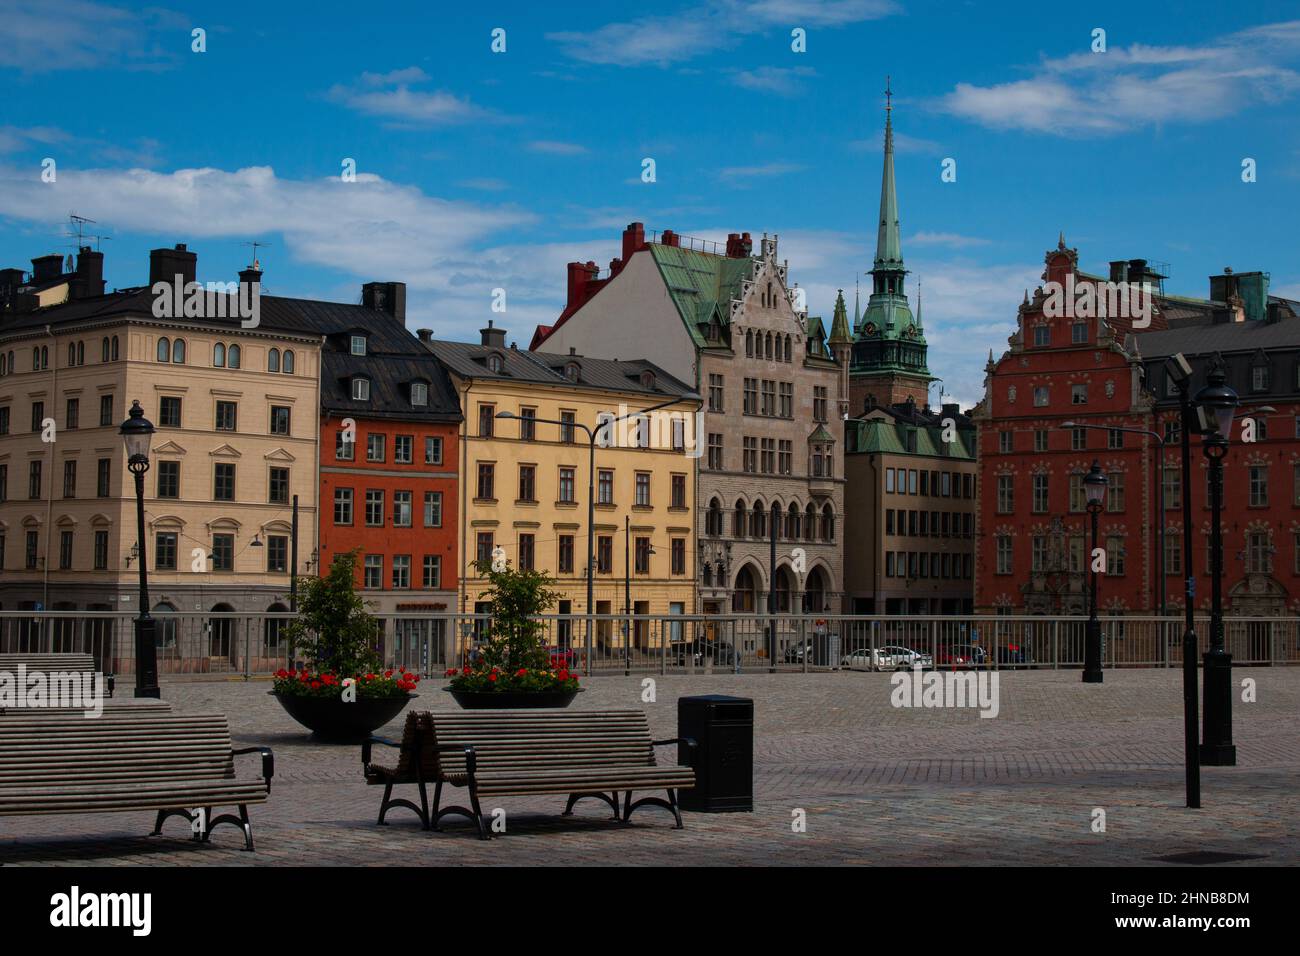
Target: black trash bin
[{"x": 723, "y": 730}]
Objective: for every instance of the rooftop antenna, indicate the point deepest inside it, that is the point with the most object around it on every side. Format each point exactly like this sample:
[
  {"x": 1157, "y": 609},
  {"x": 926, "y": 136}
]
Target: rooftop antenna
[
  {"x": 257, "y": 244},
  {"x": 79, "y": 223}
]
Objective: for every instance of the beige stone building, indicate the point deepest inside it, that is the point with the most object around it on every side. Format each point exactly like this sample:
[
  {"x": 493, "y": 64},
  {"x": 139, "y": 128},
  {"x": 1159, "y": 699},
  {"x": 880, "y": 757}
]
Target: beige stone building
[
  {"x": 237, "y": 416},
  {"x": 524, "y": 483}
]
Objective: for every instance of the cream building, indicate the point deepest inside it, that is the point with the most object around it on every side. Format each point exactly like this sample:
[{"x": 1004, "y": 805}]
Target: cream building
[
  {"x": 237, "y": 417},
  {"x": 523, "y": 485}
]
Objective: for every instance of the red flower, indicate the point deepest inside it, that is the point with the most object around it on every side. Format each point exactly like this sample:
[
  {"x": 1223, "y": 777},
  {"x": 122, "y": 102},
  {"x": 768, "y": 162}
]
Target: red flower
[
  {"x": 315, "y": 685},
  {"x": 492, "y": 676},
  {"x": 282, "y": 673},
  {"x": 466, "y": 671},
  {"x": 521, "y": 672},
  {"x": 388, "y": 673}
]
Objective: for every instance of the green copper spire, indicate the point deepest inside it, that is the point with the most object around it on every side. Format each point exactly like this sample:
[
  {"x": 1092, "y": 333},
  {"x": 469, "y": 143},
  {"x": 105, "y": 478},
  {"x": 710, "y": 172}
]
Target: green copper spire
[
  {"x": 840, "y": 323},
  {"x": 889, "y": 248},
  {"x": 857, "y": 312}
]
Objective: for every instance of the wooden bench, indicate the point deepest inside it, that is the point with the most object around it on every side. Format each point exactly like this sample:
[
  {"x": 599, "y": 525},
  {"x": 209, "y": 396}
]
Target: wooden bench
[
  {"x": 121, "y": 707},
  {"x": 177, "y": 765},
  {"x": 52, "y": 663},
  {"x": 524, "y": 752},
  {"x": 415, "y": 764}
]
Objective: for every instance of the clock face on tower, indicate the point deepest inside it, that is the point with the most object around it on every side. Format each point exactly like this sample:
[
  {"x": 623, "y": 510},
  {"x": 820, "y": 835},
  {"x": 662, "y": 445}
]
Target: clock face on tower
[{"x": 871, "y": 328}]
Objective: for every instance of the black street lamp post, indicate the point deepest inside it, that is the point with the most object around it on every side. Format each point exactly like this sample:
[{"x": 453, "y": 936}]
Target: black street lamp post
[
  {"x": 1094, "y": 484},
  {"x": 137, "y": 431},
  {"x": 1218, "y": 403}
]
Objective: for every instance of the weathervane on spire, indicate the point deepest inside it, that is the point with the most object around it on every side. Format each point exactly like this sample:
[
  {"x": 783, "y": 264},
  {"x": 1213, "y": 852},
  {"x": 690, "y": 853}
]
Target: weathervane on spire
[{"x": 888, "y": 95}]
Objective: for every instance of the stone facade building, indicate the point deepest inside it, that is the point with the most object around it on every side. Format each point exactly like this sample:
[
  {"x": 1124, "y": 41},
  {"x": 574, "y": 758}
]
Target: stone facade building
[{"x": 728, "y": 320}]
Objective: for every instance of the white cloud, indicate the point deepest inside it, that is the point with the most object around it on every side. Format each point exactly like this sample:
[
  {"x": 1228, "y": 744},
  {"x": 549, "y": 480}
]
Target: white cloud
[
  {"x": 1139, "y": 86},
  {"x": 389, "y": 96},
  {"x": 485, "y": 183},
  {"x": 42, "y": 36},
  {"x": 944, "y": 239},
  {"x": 554, "y": 148},
  {"x": 903, "y": 143},
  {"x": 761, "y": 170},
  {"x": 783, "y": 81}
]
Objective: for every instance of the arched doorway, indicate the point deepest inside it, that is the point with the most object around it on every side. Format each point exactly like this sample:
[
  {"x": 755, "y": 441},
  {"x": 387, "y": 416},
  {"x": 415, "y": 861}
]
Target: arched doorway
[
  {"x": 814, "y": 595},
  {"x": 783, "y": 589},
  {"x": 744, "y": 595}
]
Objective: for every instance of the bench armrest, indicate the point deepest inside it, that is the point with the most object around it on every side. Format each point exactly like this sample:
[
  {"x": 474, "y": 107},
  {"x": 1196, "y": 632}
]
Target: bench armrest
[
  {"x": 367, "y": 744},
  {"x": 268, "y": 762},
  {"x": 471, "y": 758},
  {"x": 688, "y": 741}
]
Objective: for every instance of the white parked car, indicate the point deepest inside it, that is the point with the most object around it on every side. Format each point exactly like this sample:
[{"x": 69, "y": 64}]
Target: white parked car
[
  {"x": 866, "y": 658},
  {"x": 904, "y": 658}
]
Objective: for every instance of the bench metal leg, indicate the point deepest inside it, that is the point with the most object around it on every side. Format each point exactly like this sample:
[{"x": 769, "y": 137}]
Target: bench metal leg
[
  {"x": 240, "y": 821},
  {"x": 164, "y": 814},
  {"x": 422, "y": 811},
  {"x": 670, "y": 804},
  {"x": 611, "y": 799},
  {"x": 475, "y": 814}
]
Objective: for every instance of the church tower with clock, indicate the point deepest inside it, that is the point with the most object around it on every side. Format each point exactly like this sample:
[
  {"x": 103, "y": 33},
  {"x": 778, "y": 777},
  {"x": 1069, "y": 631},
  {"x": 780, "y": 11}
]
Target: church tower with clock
[{"x": 889, "y": 352}]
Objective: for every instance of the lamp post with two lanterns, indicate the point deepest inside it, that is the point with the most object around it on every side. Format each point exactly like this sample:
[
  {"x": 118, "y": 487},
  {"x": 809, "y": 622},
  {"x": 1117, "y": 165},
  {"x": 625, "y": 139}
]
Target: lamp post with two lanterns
[{"x": 137, "y": 433}]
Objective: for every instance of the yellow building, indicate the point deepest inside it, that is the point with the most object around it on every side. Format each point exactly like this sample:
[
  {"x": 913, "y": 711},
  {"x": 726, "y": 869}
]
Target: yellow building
[
  {"x": 237, "y": 416},
  {"x": 524, "y": 480}
]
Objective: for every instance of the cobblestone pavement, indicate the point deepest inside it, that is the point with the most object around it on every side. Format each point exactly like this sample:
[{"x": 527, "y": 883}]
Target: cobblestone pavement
[{"x": 880, "y": 785}]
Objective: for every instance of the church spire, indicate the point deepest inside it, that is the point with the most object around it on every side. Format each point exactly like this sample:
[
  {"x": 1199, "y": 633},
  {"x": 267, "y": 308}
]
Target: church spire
[
  {"x": 840, "y": 323},
  {"x": 857, "y": 312},
  {"x": 889, "y": 248}
]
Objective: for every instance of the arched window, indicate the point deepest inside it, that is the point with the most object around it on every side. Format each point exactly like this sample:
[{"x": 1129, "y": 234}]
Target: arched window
[
  {"x": 273, "y": 360},
  {"x": 115, "y": 352},
  {"x": 164, "y": 349},
  {"x": 103, "y": 346},
  {"x": 218, "y": 356},
  {"x": 713, "y": 521},
  {"x": 45, "y": 356},
  {"x": 741, "y": 527},
  {"x": 828, "y": 524},
  {"x": 233, "y": 357},
  {"x": 789, "y": 349},
  {"x": 767, "y": 346},
  {"x": 758, "y": 521},
  {"x": 4, "y": 364},
  {"x": 36, "y": 359},
  {"x": 72, "y": 354},
  {"x": 749, "y": 343},
  {"x": 792, "y": 522},
  {"x": 361, "y": 389},
  {"x": 287, "y": 367},
  {"x": 810, "y": 523},
  {"x": 178, "y": 352},
  {"x": 81, "y": 353}
]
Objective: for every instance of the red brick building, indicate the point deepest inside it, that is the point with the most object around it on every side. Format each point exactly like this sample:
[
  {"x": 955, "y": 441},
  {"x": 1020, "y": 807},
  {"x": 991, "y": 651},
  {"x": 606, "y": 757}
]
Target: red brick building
[
  {"x": 1104, "y": 365},
  {"x": 388, "y": 449}
]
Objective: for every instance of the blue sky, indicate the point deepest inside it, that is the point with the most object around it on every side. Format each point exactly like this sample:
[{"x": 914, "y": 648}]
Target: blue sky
[{"x": 478, "y": 170}]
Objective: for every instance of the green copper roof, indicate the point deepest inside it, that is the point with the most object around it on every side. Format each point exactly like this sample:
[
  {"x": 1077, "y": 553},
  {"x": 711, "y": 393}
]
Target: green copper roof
[
  {"x": 889, "y": 248},
  {"x": 840, "y": 322},
  {"x": 702, "y": 285},
  {"x": 875, "y": 435}
]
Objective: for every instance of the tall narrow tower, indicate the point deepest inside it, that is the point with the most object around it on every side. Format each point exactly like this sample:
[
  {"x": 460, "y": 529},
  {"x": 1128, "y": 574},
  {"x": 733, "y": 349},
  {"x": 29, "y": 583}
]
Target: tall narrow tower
[{"x": 889, "y": 351}]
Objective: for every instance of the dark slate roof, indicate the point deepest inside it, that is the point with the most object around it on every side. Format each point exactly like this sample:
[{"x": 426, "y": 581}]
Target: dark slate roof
[
  {"x": 390, "y": 379},
  {"x": 1224, "y": 337},
  {"x": 544, "y": 368}
]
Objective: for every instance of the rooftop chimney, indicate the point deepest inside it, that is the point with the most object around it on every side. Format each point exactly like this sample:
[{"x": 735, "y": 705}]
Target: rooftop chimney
[
  {"x": 48, "y": 267},
  {"x": 669, "y": 238},
  {"x": 387, "y": 297},
  {"x": 426, "y": 335},
  {"x": 166, "y": 264},
  {"x": 252, "y": 275},
  {"x": 633, "y": 239},
  {"x": 493, "y": 337},
  {"x": 739, "y": 245},
  {"x": 89, "y": 279}
]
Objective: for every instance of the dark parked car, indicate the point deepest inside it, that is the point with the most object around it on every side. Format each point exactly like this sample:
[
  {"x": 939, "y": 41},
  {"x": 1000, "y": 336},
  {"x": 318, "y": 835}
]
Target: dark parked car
[
  {"x": 816, "y": 649},
  {"x": 702, "y": 652}
]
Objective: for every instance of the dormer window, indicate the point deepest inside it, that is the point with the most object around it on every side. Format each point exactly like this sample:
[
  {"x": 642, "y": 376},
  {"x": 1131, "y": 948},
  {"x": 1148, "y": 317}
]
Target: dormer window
[
  {"x": 419, "y": 393},
  {"x": 495, "y": 363},
  {"x": 361, "y": 387},
  {"x": 358, "y": 344},
  {"x": 647, "y": 379},
  {"x": 572, "y": 370}
]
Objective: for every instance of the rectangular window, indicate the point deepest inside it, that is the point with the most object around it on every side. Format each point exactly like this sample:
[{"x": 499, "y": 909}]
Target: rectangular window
[
  {"x": 715, "y": 451},
  {"x": 567, "y": 419},
  {"x": 677, "y": 493},
  {"x": 343, "y": 506},
  {"x": 605, "y": 487},
  {"x": 527, "y": 552},
  {"x": 4, "y": 421},
  {"x": 484, "y": 544},
  {"x": 432, "y": 572},
  {"x": 279, "y": 419},
  {"x": 1003, "y": 554},
  {"x": 169, "y": 479},
  {"x": 433, "y": 509},
  {"x": 751, "y": 396},
  {"x": 1042, "y": 397},
  {"x": 769, "y": 398},
  {"x": 486, "y": 489},
  {"x": 402, "y": 509},
  {"x": 679, "y": 556},
  {"x": 1006, "y": 494},
  {"x": 103, "y": 477},
  {"x": 642, "y": 555},
  {"x": 374, "y": 571},
  {"x": 565, "y": 555},
  {"x": 70, "y": 478},
  {"x": 1078, "y": 496},
  {"x": 716, "y": 393},
  {"x": 787, "y": 400},
  {"x": 403, "y": 449},
  {"x": 785, "y": 457},
  {"x": 33, "y": 540},
  {"x": 1258, "y": 486},
  {"x": 65, "y": 551},
  {"x": 38, "y": 415},
  {"x": 401, "y": 572},
  {"x": 819, "y": 403},
  {"x": 72, "y": 413},
  {"x": 433, "y": 451},
  {"x": 911, "y": 481},
  {"x": 1038, "y": 553},
  {"x": 889, "y": 480},
  {"x": 277, "y": 553},
  {"x": 486, "y": 416},
  {"x": 750, "y": 454},
  {"x": 1115, "y": 491},
  {"x": 604, "y": 554},
  {"x": 376, "y": 444},
  {"x": 34, "y": 480},
  {"x": 105, "y": 410},
  {"x": 1040, "y": 494},
  {"x": 769, "y": 456},
  {"x": 566, "y": 485},
  {"x": 1079, "y": 394},
  {"x": 1114, "y": 438},
  {"x": 101, "y": 551},
  {"x": 1040, "y": 439},
  {"x": 344, "y": 449},
  {"x": 527, "y": 482},
  {"x": 278, "y": 486},
  {"x": 1042, "y": 335},
  {"x": 1114, "y": 556},
  {"x": 164, "y": 551},
  {"x": 1173, "y": 554},
  {"x": 357, "y": 344},
  {"x": 642, "y": 489},
  {"x": 374, "y": 508},
  {"x": 527, "y": 424},
  {"x": 419, "y": 393},
  {"x": 227, "y": 416},
  {"x": 1078, "y": 439},
  {"x": 1079, "y": 333},
  {"x": 223, "y": 484},
  {"x": 1259, "y": 378},
  {"x": 223, "y": 552},
  {"x": 1173, "y": 488},
  {"x": 169, "y": 411}
]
